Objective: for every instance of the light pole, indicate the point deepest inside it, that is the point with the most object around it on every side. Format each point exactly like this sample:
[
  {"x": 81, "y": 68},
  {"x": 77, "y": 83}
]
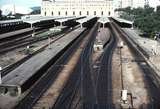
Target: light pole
[
  {"x": 49, "y": 41},
  {"x": 33, "y": 33}
]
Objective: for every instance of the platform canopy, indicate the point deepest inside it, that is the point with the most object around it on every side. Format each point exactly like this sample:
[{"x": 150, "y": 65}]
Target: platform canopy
[
  {"x": 32, "y": 20},
  {"x": 103, "y": 20},
  {"x": 64, "y": 19},
  {"x": 10, "y": 21},
  {"x": 35, "y": 19},
  {"x": 123, "y": 20},
  {"x": 81, "y": 21},
  {"x": 68, "y": 18}
]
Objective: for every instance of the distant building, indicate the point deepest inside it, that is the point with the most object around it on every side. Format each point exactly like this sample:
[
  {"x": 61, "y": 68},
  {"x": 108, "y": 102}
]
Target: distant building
[
  {"x": 77, "y": 8},
  {"x": 130, "y": 3},
  {"x": 138, "y": 3},
  {"x": 146, "y": 2}
]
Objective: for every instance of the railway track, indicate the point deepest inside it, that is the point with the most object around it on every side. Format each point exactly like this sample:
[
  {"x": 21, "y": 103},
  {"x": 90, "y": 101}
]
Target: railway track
[
  {"x": 79, "y": 92},
  {"x": 87, "y": 85},
  {"x": 76, "y": 86},
  {"x": 47, "y": 80},
  {"x": 139, "y": 58},
  {"x": 12, "y": 41},
  {"x": 70, "y": 64},
  {"x": 104, "y": 81},
  {"x": 17, "y": 34},
  {"x": 11, "y": 67},
  {"x": 10, "y": 45},
  {"x": 104, "y": 85}
]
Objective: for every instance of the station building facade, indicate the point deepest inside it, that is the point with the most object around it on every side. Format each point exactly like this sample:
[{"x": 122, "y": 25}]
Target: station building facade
[{"x": 77, "y": 8}]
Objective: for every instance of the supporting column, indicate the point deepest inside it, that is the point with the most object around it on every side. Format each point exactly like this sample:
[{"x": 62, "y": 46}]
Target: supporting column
[
  {"x": 49, "y": 42},
  {"x": 33, "y": 34},
  {"x": 28, "y": 50},
  {"x": 0, "y": 75},
  {"x": 132, "y": 25},
  {"x": 31, "y": 25},
  {"x": 61, "y": 23},
  {"x": 81, "y": 25},
  {"x": 103, "y": 25}
]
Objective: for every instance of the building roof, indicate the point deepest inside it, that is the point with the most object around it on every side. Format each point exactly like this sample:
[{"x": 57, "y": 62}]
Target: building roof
[
  {"x": 84, "y": 19},
  {"x": 103, "y": 20},
  {"x": 68, "y": 18},
  {"x": 64, "y": 19},
  {"x": 10, "y": 21},
  {"x": 34, "y": 19},
  {"x": 122, "y": 20}
]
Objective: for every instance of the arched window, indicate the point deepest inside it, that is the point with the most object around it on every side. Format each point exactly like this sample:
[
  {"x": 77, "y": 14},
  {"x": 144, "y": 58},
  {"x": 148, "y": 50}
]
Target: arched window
[
  {"x": 59, "y": 13},
  {"x": 45, "y": 13},
  {"x": 73, "y": 12},
  {"x": 94, "y": 12},
  {"x": 109, "y": 13},
  {"x": 80, "y": 13},
  {"x": 87, "y": 12},
  {"x": 66, "y": 13},
  {"x": 102, "y": 13},
  {"x": 52, "y": 13}
]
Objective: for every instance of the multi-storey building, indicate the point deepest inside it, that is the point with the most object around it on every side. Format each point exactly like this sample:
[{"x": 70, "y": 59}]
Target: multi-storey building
[
  {"x": 77, "y": 8},
  {"x": 130, "y": 3}
]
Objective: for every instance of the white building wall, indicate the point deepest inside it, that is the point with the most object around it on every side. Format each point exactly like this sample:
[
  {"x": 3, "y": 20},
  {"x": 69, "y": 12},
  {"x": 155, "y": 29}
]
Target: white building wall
[
  {"x": 94, "y": 8},
  {"x": 138, "y": 3},
  {"x": 127, "y": 3}
]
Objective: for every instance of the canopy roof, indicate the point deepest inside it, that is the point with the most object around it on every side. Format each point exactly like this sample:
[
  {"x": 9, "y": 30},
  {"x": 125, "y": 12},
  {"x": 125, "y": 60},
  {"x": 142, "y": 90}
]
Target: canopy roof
[
  {"x": 123, "y": 20},
  {"x": 84, "y": 19},
  {"x": 103, "y": 20}
]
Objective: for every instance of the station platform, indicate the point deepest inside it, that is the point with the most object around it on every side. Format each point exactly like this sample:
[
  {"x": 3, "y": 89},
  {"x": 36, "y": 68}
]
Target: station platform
[
  {"x": 20, "y": 79},
  {"x": 13, "y": 33},
  {"x": 151, "y": 47}
]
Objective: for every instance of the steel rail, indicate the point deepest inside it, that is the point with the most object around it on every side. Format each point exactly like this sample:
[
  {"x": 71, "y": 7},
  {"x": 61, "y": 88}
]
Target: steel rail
[
  {"x": 43, "y": 84},
  {"x": 11, "y": 67},
  {"x": 147, "y": 70},
  {"x": 66, "y": 97},
  {"x": 104, "y": 81}
]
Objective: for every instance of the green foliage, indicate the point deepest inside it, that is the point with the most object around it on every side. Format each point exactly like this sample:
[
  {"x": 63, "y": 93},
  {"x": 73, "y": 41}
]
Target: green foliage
[
  {"x": 158, "y": 10},
  {"x": 146, "y": 19}
]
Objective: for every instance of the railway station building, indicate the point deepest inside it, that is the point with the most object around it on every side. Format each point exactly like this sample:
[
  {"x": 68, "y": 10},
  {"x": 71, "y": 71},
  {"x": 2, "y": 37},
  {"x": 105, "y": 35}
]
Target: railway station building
[{"x": 77, "y": 8}]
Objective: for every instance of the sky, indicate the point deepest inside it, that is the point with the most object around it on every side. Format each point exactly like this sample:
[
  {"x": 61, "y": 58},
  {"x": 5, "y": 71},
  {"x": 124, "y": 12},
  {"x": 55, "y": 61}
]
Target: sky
[
  {"x": 31, "y": 3},
  {"x": 25, "y": 3}
]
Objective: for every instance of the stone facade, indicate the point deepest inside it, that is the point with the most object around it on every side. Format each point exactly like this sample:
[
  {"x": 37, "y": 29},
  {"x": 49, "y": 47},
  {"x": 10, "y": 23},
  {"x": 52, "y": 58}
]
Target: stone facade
[{"x": 77, "y": 8}]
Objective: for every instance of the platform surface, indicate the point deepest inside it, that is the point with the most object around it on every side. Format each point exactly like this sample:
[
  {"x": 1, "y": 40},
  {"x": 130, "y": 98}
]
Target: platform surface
[
  {"x": 152, "y": 47},
  {"x": 28, "y": 68},
  {"x": 9, "y": 34}
]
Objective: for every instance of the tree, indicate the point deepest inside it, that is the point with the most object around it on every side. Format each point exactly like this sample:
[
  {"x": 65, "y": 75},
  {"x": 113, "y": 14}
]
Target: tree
[
  {"x": 158, "y": 10},
  {"x": 144, "y": 18},
  {"x": 0, "y": 13}
]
